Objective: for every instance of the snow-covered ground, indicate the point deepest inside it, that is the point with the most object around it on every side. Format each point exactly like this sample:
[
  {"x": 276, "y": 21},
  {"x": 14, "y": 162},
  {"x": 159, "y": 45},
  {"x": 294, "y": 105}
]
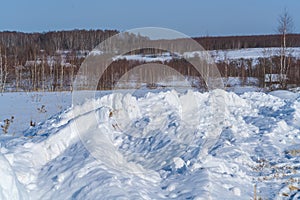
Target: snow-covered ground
[
  {"x": 33, "y": 106},
  {"x": 218, "y": 55},
  {"x": 163, "y": 145},
  {"x": 252, "y": 53}
]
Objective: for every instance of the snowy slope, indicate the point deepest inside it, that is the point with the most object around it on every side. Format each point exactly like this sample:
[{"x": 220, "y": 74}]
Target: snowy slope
[
  {"x": 168, "y": 145},
  {"x": 217, "y": 55},
  {"x": 251, "y": 53}
]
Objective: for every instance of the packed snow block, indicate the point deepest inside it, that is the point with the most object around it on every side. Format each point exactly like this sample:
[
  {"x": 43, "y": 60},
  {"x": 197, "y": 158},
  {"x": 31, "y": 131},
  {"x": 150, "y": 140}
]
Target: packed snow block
[
  {"x": 296, "y": 115},
  {"x": 10, "y": 187},
  {"x": 179, "y": 165},
  {"x": 103, "y": 115}
]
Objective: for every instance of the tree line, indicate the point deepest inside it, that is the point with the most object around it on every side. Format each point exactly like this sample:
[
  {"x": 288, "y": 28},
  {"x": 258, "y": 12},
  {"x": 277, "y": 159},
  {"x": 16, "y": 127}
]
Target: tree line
[
  {"x": 49, "y": 61},
  {"x": 254, "y": 41}
]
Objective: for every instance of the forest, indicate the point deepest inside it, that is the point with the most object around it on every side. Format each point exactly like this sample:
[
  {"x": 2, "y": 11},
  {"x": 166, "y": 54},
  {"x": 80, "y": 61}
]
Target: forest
[{"x": 49, "y": 61}]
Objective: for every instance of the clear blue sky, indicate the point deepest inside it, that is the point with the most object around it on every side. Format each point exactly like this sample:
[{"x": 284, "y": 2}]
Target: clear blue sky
[{"x": 192, "y": 17}]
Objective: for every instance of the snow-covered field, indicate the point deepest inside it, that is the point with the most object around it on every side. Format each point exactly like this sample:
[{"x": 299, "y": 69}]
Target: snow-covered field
[
  {"x": 218, "y": 55},
  {"x": 163, "y": 145},
  {"x": 252, "y": 53}
]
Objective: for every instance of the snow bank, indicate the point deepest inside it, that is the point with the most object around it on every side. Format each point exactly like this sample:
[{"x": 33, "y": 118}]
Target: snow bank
[
  {"x": 10, "y": 188},
  {"x": 213, "y": 145}
]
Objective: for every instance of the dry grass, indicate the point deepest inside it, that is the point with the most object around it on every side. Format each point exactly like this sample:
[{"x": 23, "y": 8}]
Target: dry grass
[{"x": 268, "y": 173}]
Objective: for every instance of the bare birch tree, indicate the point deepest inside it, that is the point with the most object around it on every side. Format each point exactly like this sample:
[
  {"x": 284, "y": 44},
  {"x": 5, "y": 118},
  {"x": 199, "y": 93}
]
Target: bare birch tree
[
  {"x": 3, "y": 71},
  {"x": 285, "y": 26}
]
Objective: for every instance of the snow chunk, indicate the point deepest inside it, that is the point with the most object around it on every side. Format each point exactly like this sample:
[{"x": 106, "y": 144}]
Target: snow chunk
[
  {"x": 296, "y": 118},
  {"x": 10, "y": 188},
  {"x": 179, "y": 163},
  {"x": 236, "y": 191}
]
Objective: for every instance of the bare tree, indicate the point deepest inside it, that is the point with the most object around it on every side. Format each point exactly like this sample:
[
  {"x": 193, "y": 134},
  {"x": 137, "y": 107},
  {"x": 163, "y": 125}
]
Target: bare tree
[
  {"x": 285, "y": 26},
  {"x": 267, "y": 68},
  {"x": 3, "y": 71},
  {"x": 62, "y": 75},
  {"x": 43, "y": 70}
]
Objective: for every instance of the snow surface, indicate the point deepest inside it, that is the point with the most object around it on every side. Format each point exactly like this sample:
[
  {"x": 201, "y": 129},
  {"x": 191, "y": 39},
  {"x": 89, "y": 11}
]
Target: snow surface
[
  {"x": 285, "y": 94},
  {"x": 251, "y": 53},
  {"x": 32, "y": 106},
  {"x": 166, "y": 145},
  {"x": 146, "y": 58},
  {"x": 217, "y": 55}
]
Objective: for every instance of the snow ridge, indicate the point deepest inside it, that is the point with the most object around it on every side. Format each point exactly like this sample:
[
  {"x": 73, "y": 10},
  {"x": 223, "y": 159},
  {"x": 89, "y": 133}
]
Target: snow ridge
[{"x": 167, "y": 145}]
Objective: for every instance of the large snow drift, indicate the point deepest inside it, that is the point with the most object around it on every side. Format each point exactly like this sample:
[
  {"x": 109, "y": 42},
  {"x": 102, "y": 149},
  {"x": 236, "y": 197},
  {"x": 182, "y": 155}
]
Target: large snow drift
[{"x": 213, "y": 145}]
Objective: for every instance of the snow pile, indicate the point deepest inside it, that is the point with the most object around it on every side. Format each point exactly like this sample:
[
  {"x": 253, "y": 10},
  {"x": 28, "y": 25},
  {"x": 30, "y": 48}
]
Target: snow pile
[
  {"x": 296, "y": 117},
  {"x": 10, "y": 188},
  {"x": 167, "y": 145}
]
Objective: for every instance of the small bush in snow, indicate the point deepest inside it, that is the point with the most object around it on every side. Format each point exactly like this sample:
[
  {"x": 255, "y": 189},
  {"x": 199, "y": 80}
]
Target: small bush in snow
[{"x": 6, "y": 124}]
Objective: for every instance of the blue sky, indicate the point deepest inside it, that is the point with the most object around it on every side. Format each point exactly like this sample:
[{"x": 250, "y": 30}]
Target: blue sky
[{"x": 191, "y": 17}]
